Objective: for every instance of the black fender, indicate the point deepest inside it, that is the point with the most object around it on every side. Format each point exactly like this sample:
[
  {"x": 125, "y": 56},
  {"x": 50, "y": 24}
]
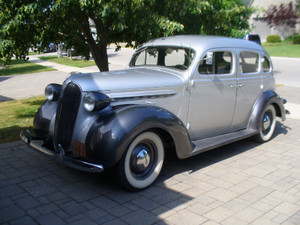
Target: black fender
[
  {"x": 266, "y": 98},
  {"x": 43, "y": 118},
  {"x": 111, "y": 135}
]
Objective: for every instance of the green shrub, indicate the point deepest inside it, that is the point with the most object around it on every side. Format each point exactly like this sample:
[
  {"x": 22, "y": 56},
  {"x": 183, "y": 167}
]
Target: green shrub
[
  {"x": 296, "y": 39},
  {"x": 273, "y": 38}
]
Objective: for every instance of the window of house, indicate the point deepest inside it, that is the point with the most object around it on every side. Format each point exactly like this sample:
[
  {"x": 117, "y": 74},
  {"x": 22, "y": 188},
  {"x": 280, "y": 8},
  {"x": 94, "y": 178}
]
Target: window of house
[
  {"x": 216, "y": 63},
  {"x": 249, "y": 62}
]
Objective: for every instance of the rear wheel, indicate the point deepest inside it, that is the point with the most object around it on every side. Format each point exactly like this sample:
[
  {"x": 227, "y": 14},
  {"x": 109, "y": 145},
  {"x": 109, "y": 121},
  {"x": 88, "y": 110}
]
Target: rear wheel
[
  {"x": 267, "y": 124},
  {"x": 141, "y": 164}
]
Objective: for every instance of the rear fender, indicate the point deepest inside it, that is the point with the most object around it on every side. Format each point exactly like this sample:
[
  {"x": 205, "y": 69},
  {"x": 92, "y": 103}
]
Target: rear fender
[{"x": 266, "y": 98}]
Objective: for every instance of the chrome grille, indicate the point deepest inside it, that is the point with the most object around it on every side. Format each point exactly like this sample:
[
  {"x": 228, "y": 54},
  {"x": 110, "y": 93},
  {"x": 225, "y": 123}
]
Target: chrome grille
[{"x": 66, "y": 115}]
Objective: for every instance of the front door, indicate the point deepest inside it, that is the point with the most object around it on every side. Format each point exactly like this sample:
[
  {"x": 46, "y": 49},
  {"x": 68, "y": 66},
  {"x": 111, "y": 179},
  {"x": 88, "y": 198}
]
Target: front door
[{"x": 213, "y": 95}]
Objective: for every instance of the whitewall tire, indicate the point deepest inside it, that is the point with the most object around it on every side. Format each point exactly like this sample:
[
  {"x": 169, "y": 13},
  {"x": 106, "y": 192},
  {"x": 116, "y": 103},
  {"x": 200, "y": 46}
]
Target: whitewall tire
[
  {"x": 141, "y": 164},
  {"x": 267, "y": 124}
]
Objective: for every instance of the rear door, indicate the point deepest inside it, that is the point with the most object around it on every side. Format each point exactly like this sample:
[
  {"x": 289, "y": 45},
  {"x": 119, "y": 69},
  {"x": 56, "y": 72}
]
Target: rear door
[{"x": 250, "y": 85}]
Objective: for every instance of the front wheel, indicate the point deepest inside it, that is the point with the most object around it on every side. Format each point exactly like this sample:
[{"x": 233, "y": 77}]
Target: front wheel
[
  {"x": 141, "y": 164},
  {"x": 267, "y": 124}
]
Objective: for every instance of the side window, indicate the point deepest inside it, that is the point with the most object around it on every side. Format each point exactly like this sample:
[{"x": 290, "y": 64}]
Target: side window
[
  {"x": 148, "y": 57},
  {"x": 152, "y": 57},
  {"x": 249, "y": 62},
  {"x": 141, "y": 59},
  {"x": 266, "y": 64},
  {"x": 216, "y": 63}
]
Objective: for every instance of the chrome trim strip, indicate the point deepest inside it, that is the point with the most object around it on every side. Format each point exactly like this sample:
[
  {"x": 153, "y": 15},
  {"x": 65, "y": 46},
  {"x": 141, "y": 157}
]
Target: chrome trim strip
[{"x": 117, "y": 99}]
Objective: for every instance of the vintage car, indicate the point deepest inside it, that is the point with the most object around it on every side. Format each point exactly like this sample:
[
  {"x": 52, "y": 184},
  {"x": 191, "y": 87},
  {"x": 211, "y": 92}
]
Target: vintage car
[{"x": 187, "y": 94}]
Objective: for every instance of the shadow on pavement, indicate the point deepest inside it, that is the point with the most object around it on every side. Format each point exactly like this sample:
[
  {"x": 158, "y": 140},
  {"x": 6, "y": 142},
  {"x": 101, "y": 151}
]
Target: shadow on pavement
[
  {"x": 3, "y": 78},
  {"x": 5, "y": 99},
  {"x": 112, "y": 55}
]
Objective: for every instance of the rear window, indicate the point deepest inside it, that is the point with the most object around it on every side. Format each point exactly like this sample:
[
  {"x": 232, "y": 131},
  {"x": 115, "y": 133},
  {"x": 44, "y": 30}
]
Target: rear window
[
  {"x": 249, "y": 62},
  {"x": 266, "y": 64}
]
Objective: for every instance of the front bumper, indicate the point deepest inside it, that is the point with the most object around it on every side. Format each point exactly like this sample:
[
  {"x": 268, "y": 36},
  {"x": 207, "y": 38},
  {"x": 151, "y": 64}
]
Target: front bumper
[{"x": 37, "y": 144}]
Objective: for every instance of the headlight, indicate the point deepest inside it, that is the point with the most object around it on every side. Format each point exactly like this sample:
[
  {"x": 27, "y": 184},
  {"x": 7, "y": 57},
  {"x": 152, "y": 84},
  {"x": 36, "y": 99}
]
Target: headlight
[
  {"x": 52, "y": 92},
  {"x": 89, "y": 102},
  {"x": 94, "y": 101}
]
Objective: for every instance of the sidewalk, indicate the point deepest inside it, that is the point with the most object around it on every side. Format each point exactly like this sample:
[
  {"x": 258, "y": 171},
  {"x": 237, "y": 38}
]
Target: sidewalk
[{"x": 292, "y": 95}]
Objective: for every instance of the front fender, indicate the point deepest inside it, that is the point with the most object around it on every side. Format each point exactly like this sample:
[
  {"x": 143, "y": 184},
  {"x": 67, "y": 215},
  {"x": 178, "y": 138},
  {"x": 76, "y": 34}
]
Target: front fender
[
  {"x": 109, "y": 137},
  {"x": 266, "y": 98},
  {"x": 43, "y": 118}
]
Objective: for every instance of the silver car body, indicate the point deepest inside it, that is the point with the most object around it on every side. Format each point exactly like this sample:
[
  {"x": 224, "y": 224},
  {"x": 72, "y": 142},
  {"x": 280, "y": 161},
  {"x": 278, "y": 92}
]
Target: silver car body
[
  {"x": 208, "y": 105},
  {"x": 196, "y": 92}
]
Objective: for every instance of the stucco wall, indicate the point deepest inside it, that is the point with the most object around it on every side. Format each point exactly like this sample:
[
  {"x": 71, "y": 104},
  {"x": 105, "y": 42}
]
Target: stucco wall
[{"x": 261, "y": 28}]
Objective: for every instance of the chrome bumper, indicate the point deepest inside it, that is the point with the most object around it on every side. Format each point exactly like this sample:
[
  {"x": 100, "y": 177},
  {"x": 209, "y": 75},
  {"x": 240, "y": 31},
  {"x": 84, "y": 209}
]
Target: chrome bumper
[{"x": 60, "y": 156}]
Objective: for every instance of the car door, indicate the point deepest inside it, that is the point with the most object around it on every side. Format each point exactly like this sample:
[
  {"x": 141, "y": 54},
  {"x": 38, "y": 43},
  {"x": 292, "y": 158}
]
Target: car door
[
  {"x": 250, "y": 85},
  {"x": 212, "y": 94}
]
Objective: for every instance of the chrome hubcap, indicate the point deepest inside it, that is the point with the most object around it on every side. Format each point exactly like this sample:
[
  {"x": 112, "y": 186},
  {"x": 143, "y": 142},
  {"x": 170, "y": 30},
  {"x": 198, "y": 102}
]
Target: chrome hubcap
[
  {"x": 266, "y": 122},
  {"x": 142, "y": 160}
]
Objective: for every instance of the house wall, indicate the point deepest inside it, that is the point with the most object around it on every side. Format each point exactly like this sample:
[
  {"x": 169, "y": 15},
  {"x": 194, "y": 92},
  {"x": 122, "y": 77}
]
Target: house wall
[{"x": 261, "y": 28}]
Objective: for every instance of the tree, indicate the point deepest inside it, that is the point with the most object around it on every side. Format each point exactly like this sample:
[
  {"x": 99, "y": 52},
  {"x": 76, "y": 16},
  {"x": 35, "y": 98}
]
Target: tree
[
  {"x": 90, "y": 25},
  {"x": 214, "y": 17},
  {"x": 18, "y": 28},
  {"x": 283, "y": 15}
]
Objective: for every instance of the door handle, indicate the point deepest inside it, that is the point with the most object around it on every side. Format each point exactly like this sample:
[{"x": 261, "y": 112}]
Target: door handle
[{"x": 236, "y": 85}]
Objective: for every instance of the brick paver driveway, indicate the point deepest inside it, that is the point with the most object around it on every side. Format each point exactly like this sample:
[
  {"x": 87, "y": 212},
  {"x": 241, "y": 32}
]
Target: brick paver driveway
[{"x": 240, "y": 183}]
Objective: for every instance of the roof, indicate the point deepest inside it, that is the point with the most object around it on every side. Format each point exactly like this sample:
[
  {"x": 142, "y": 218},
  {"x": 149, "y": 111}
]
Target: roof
[{"x": 202, "y": 42}]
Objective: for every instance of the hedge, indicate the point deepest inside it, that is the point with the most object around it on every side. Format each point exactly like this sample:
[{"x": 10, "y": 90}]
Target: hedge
[
  {"x": 296, "y": 39},
  {"x": 273, "y": 38}
]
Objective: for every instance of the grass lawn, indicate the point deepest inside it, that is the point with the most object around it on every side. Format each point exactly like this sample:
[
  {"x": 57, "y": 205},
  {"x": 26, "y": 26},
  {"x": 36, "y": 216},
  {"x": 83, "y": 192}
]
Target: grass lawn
[
  {"x": 35, "y": 53},
  {"x": 22, "y": 67},
  {"x": 68, "y": 62},
  {"x": 282, "y": 50},
  {"x": 16, "y": 116}
]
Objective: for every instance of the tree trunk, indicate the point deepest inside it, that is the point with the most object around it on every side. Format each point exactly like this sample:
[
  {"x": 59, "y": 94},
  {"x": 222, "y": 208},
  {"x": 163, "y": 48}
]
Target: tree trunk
[{"x": 99, "y": 53}]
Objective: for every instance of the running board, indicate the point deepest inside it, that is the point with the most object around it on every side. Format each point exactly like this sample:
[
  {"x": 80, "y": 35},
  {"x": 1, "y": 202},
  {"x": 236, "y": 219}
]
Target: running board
[{"x": 206, "y": 144}]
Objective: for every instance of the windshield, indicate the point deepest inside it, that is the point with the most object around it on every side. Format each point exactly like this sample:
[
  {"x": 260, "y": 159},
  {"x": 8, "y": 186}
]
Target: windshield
[{"x": 171, "y": 57}]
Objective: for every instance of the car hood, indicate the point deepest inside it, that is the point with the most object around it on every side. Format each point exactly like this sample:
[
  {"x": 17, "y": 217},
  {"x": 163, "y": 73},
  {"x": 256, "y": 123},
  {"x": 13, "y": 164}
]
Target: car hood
[{"x": 130, "y": 82}]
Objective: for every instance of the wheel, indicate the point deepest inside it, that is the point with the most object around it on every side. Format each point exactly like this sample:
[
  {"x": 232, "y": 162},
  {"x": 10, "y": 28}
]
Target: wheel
[
  {"x": 266, "y": 124},
  {"x": 141, "y": 164}
]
